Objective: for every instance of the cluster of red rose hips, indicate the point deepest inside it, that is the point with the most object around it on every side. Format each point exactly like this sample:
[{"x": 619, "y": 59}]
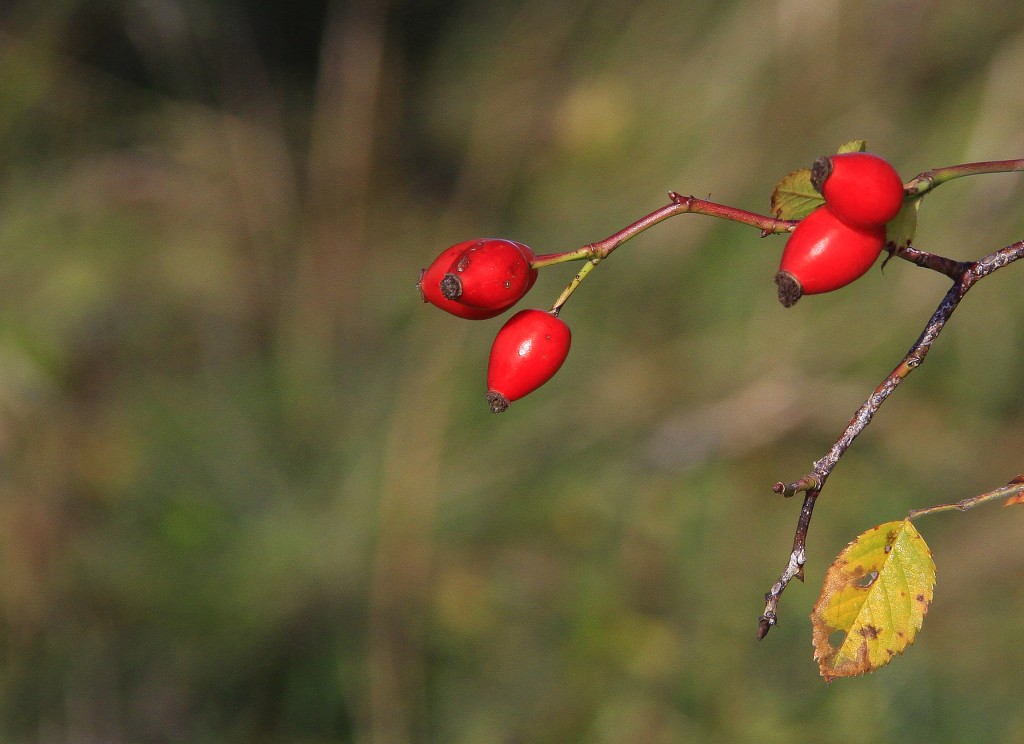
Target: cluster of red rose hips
[
  {"x": 832, "y": 246},
  {"x": 839, "y": 241},
  {"x": 479, "y": 279}
]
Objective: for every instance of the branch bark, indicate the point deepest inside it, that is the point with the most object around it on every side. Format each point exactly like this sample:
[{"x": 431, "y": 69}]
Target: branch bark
[{"x": 813, "y": 482}]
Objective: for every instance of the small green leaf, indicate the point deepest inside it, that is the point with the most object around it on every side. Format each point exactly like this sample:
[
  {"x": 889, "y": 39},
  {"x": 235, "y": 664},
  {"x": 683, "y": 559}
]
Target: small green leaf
[
  {"x": 794, "y": 197},
  {"x": 853, "y": 146},
  {"x": 875, "y": 594}
]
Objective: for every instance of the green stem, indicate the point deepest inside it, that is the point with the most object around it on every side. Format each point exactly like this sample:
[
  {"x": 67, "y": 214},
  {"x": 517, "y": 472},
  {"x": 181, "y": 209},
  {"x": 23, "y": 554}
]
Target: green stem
[
  {"x": 928, "y": 180},
  {"x": 580, "y": 276}
]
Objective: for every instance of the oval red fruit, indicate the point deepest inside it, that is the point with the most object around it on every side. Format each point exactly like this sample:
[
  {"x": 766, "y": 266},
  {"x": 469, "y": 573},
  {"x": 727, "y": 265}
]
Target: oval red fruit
[
  {"x": 526, "y": 353},
  {"x": 824, "y": 253},
  {"x": 491, "y": 273},
  {"x": 861, "y": 189},
  {"x": 429, "y": 286}
]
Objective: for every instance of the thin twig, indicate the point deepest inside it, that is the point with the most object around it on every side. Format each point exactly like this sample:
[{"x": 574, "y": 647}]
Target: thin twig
[
  {"x": 594, "y": 253},
  {"x": 1013, "y": 488},
  {"x": 679, "y": 205},
  {"x": 945, "y": 266},
  {"x": 794, "y": 569},
  {"x": 813, "y": 482}
]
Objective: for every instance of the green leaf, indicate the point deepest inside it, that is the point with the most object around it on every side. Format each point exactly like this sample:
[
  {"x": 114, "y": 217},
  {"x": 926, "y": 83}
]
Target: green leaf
[
  {"x": 875, "y": 596},
  {"x": 902, "y": 228},
  {"x": 853, "y": 146},
  {"x": 794, "y": 198}
]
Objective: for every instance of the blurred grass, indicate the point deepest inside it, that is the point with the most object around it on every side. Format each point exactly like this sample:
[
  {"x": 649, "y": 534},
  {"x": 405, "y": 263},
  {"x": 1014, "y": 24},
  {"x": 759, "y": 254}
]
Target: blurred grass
[{"x": 250, "y": 489}]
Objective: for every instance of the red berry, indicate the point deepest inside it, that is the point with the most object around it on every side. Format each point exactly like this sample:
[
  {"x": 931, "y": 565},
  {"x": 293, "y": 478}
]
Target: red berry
[
  {"x": 490, "y": 274},
  {"x": 526, "y": 353},
  {"x": 861, "y": 189},
  {"x": 824, "y": 253},
  {"x": 429, "y": 286}
]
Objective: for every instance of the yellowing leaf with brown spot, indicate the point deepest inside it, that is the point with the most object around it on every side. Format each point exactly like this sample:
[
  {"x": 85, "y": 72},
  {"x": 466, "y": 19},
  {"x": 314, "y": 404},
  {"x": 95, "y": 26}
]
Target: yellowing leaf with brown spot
[{"x": 873, "y": 601}]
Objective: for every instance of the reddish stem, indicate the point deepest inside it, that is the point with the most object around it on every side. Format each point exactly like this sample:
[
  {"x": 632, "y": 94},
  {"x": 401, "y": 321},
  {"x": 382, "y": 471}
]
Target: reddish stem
[{"x": 679, "y": 205}]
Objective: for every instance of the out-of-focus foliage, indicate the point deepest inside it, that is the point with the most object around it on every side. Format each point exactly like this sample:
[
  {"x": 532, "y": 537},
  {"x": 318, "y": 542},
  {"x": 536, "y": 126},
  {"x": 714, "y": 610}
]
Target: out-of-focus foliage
[{"x": 250, "y": 490}]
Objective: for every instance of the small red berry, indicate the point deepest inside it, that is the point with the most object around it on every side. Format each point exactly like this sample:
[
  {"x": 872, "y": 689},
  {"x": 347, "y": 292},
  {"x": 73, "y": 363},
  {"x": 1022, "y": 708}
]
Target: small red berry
[
  {"x": 526, "y": 353},
  {"x": 490, "y": 274},
  {"x": 429, "y": 286},
  {"x": 824, "y": 253},
  {"x": 861, "y": 189}
]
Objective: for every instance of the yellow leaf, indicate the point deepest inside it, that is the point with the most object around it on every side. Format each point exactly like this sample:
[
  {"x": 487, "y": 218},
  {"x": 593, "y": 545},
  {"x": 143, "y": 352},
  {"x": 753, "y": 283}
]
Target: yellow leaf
[
  {"x": 794, "y": 197},
  {"x": 875, "y": 596}
]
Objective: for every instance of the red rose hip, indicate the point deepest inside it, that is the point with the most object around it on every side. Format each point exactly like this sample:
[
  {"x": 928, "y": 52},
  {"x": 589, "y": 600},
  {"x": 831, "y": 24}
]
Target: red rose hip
[
  {"x": 429, "y": 286},
  {"x": 526, "y": 353},
  {"x": 861, "y": 189},
  {"x": 824, "y": 253},
  {"x": 490, "y": 274}
]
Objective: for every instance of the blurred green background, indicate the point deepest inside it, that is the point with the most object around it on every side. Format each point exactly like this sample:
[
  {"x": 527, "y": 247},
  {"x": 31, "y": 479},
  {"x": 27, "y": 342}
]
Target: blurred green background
[{"x": 250, "y": 491}]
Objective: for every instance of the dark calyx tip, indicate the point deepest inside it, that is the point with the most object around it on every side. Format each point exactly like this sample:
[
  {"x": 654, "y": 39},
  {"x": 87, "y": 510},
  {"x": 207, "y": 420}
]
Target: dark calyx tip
[
  {"x": 820, "y": 171},
  {"x": 497, "y": 402},
  {"x": 451, "y": 286},
  {"x": 789, "y": 288}
]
